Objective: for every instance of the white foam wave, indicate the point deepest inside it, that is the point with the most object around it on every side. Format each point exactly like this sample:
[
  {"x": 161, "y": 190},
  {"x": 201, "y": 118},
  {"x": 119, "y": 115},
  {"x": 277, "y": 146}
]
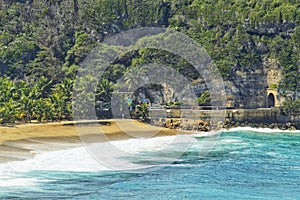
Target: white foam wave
[
  {"x": 263, "y": 130},
  {"x": 125, "y": 154},
  {"x": 18, "y": 182},
  {"x": 78, "y": 159},
  {"x": 207, "y": 134},
  {"x": 151, "y": 144},
  {"x": 13, "y": 174},
  {"x": 231, "y": 141}
]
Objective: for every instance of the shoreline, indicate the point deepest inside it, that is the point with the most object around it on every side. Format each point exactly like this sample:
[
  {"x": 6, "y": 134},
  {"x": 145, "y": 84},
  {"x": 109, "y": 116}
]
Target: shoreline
[
  {"x": 23, "y": 141},
  {"x": 116, "y": 129},
  {"x": 112, "y": 129}
]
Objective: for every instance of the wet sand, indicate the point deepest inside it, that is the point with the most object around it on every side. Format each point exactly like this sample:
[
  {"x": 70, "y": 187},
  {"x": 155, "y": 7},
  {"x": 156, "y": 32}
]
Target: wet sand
[{"x": 24, "y": 141}]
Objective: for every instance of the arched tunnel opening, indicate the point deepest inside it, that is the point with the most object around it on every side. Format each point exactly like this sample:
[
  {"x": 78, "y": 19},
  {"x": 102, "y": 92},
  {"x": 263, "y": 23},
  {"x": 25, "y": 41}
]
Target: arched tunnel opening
[{"x": 271, "y": 100}]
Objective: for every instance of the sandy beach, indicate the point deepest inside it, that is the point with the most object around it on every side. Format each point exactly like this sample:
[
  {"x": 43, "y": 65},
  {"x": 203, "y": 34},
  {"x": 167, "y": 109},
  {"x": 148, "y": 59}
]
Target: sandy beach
[
  {"x": 113, "y": 129},
  {"x": 24, "y": 141}
]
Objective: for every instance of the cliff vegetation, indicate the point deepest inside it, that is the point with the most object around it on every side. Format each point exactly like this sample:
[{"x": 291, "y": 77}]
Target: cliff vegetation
[{"x": 43, "y": 42}]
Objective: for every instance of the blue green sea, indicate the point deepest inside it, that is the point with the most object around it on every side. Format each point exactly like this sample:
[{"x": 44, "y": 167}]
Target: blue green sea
[{"x": 241, "y": 163}]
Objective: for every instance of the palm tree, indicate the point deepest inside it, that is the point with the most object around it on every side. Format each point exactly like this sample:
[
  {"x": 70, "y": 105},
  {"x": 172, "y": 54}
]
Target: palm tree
[
  {"x": 43, "y": 87},
  {"x": 7, "y": 88},
  {"x": 58, "y": 105},
  {"x": 7, "y": 112},
  {"x": 134, "y": 77},
  {"x": 66, "y": 88},
  {"x": 118, "y": 71},
  {"x": 142, "y": 111},
  {"x": 38, "y": 111},
  {"x": 7, "y": 100},
  {"x": 104, "y": 90},
  {"x": 26, "y": 105},
  {"x": 84, "y": 94},
  {"x": 61, "y": 100}
]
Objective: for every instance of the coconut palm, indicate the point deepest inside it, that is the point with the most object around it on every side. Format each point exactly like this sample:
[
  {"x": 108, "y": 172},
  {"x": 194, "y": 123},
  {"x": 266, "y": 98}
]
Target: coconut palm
[
  {"x": 58, "y": 102},
  {"x": 142, "y": 111},
  {"x": 43, "y": 87},
  {"x": 84, "y": 95},
  {"x": 104, "y": 90},
  {"x": 134, "y": 77},
  {"x": 7, "y": 112},
  {"x": 66, "y": 88},
  {"x": 7, "y": 88}
]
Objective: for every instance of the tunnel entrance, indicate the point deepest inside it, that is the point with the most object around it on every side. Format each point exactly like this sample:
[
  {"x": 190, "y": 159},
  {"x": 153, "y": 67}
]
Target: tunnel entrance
[{"x": 271, "y": 100}]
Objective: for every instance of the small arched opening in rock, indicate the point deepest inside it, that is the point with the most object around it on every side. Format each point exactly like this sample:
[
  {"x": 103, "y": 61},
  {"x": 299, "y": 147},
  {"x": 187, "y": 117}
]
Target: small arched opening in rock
[{"x": 271, "y": 100}]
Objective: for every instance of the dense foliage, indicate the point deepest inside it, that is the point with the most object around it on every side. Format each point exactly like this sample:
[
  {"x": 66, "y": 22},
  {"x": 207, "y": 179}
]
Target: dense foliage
[
  {"x": 22, "y": 101},
  {"x": 43, "y": 42},
  {"x": 292, "y": 108}
]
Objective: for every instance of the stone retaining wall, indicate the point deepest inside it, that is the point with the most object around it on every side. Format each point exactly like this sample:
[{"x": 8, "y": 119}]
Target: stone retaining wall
[
  {"x": 205, "y": 120},
  {"x": 264, "y": 115}
]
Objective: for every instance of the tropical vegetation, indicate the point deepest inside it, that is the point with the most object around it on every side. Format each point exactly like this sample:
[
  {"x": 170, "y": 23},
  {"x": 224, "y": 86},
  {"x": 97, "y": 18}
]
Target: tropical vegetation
[
  {"x": 43, "y": 43},
  {"x": 42, "y": 100}
]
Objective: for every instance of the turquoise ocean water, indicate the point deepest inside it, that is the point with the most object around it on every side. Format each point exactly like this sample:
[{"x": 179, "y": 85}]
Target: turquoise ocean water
[{"x": 244, "y": 163}]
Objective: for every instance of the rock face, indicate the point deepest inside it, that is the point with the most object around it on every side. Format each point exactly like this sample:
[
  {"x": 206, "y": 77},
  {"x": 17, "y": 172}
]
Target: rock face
[
  {"x": 270, "y": 29},
  {"x": 157, "y": 95},
  {"x": 273, "y": 70},
  {"x": 249, "y": 87},
  {"x": 245, "y": 87}
]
